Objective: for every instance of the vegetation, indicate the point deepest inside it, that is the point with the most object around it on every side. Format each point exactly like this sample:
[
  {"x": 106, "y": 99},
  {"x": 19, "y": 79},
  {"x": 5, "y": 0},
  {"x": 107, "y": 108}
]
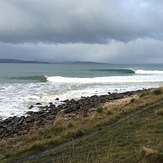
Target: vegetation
[
  {"x": 132, "y": 100},
  {"x": 159, "y": 112},
  {"x": 99, "y": 110},
  {"x": 144, "y": 93},
  {"x": 158, "y": 91},
  {"x": 110, "y": 135}
]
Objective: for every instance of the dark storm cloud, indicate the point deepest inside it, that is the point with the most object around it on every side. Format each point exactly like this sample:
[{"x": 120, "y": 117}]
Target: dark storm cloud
[
  {"x": 80, "y": 21},
  {"x": 115, "y": 31}
]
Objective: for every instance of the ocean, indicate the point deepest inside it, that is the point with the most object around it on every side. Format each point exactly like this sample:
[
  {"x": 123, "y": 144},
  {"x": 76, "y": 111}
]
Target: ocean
[{"x": 23, "y": 85}]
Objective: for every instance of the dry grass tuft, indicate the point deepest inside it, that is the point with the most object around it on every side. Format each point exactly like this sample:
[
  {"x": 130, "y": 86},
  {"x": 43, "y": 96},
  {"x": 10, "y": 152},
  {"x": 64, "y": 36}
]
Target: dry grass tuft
[
  {"x": 93, "y": 117},
  {"x": 117, "y": 106},
  {"x": 109, "y": 111},
  {"x": 62, "y": 122},
  {"x": 80, "y": 117},
  {"x": 159, "y": 112},
  {"x": 70, "y": 124},
  {"x": 59, "y": 121},
  {"x": 132, "y": 100}
]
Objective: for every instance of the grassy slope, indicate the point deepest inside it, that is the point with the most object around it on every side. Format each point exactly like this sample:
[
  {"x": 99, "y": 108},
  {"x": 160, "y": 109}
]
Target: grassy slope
[{"x": 121, "y": 143}]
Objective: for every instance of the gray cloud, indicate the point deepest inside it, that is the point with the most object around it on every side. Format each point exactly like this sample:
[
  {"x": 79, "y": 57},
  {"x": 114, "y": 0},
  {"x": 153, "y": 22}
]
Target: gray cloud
[
  {"x": 137, "y": 51},
  {"x": 114, "y": 31},
  {"x": 71, "y": 21}
]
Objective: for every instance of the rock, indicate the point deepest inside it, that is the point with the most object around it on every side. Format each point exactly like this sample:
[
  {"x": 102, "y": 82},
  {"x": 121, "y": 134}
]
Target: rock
[
  {"x": 14, "y": 126},
  {"x": 38, "y": 103},
  {"x": 31, "y": 107},
  {"x": 21, "y": 119},
  {"x": 30, "y": 112},
  {"x": 151, "y": 155},
  {"x": 51, "y": 105},
  {"x": 28, "y": 119},
  {"x": 43, "y": 107}
]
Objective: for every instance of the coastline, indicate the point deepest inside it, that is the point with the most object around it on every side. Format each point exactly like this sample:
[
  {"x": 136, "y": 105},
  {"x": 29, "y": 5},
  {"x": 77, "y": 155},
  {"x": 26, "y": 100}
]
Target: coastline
[
  {"x": 108, "y": 119},
  {"x": 17, "y": 126},
  {"x": 66, "y": 81}
]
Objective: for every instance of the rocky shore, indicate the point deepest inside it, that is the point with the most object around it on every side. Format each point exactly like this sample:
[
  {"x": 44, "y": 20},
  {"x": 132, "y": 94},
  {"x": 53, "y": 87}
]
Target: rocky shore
[{"x": 16, "y": 126}]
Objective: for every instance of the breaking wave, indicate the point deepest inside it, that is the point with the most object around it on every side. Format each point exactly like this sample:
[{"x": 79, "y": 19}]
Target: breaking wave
[
  {"x": 130, "y": 71},
  {"x": 149, "y": 72},
  {"x": 140, "y": 76},
  {"x": 105, "y": 80},
  {"x": 40, "y": 78},
  {"x": 121, "y": 71}
]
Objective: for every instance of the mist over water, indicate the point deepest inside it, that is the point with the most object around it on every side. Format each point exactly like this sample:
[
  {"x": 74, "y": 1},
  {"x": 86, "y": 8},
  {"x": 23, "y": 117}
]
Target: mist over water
[{"x": 22, "y": 85}]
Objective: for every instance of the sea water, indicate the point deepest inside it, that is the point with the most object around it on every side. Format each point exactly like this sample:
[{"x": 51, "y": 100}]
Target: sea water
[{"x": 23, "y": 85}]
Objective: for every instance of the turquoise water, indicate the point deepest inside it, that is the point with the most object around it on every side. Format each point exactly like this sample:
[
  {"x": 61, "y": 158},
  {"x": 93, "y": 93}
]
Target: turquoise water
[
  {"x": 22, "y": 85},
  {"x": 23, "y": 71},
  {"x": 17, "y": 72}
]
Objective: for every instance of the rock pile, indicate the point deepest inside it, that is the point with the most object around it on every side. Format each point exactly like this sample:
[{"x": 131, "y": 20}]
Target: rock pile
[{"x": 16, "y": 126}]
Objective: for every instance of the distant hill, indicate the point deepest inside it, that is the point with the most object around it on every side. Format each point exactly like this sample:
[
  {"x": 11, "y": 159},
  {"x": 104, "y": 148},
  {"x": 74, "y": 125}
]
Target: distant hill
[
  {"x": 78, "y": 62},
  {"x": 66, "y": 62},
  {"x": 18, "y": 61}
]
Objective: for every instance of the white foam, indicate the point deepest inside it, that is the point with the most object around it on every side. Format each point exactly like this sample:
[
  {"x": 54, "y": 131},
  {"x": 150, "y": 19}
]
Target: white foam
[
  {"x": 105, "y": 80},
  {"x": 15, "y": 99},
  {"x": 149, "y": 72}
]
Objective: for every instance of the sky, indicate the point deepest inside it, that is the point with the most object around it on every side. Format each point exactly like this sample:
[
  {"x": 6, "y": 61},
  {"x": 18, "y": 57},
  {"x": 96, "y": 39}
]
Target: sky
[{"x": 112, "y": 31}]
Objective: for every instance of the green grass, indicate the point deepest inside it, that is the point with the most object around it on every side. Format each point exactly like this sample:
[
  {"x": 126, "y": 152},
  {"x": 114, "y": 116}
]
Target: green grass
[
  {"x": 122, "y": 143},
  {"x": 159, "y": 112},
  {"x": 158, "y": 91},
  {"x": 99, "y": 109},
  {"x": 144, "y": 93}
]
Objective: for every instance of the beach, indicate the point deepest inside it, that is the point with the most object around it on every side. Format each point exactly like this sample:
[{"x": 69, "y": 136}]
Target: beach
[
  {"x": 33, "y": 94},
  {"x": 23, "y": 85},
  {"x": 94, "y": 119},
  {"x": 16, "y": 126}
]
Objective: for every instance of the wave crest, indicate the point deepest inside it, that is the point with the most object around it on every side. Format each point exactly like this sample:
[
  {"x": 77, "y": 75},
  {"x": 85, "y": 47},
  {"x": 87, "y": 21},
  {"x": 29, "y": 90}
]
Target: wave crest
[
  {"x": 121, "y": 71},
  {"x": 40, "y": 78},
  {"x": 105, "y": 80},
  {"x": 148, "y": 72}
]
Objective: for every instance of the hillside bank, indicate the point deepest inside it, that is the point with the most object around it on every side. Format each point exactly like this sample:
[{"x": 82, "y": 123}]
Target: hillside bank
[{"x": 113, "y": 130}]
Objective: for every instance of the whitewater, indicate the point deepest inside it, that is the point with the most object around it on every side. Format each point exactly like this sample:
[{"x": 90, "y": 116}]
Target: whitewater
[{"x": 23, "y": 85}]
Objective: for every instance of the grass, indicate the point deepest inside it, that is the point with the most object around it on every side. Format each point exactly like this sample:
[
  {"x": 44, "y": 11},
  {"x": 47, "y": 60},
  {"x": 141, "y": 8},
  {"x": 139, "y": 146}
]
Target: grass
[
  {"x": 123, "y": 143},
  {"x": 99, "y": 110},
  {"x": 144, "y": 93},
  {"x": 158, "y": 91},
  {"x": 120, "y": 144},
  {"x": 132, "y": 100},
  {"x": 159, "y": 112}
]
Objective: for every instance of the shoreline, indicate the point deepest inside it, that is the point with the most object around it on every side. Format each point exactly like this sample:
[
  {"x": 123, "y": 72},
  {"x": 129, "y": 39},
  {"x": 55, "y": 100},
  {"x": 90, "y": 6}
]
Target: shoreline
[
  {"x": 17, "y": 126},
  {"x": 72, "y": 135}
]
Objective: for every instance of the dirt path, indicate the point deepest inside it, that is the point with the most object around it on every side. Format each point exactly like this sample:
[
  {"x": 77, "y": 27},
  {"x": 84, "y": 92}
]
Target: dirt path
[{"x": 73, "y": 142}]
